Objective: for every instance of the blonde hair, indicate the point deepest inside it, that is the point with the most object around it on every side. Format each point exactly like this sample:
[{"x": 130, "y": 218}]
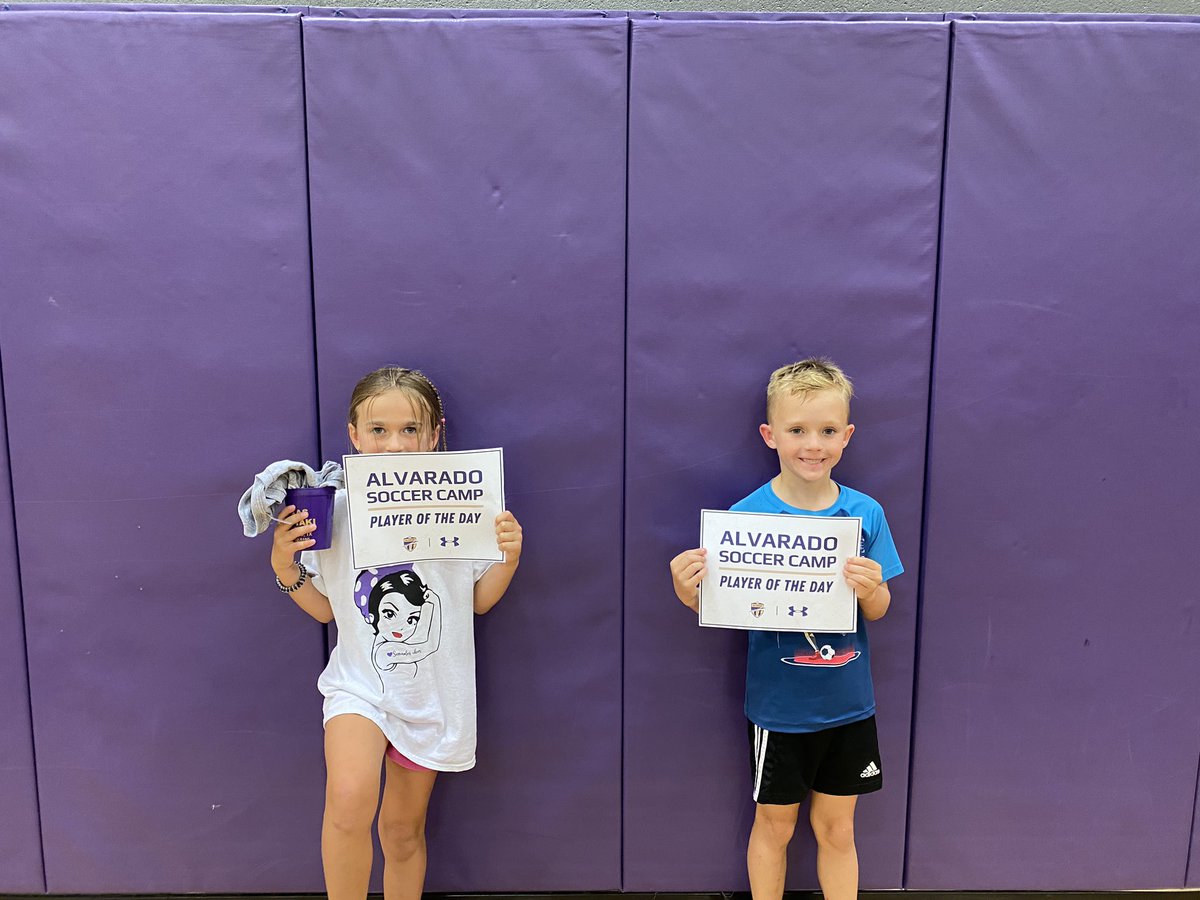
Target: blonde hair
[
  {"x": 813, "y": 374},
  {"x": 396, "y": 378}
]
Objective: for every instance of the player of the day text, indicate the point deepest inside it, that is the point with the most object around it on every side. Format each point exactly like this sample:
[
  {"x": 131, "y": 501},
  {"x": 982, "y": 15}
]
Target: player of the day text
[
  {"x": 423, "y": 487},
  {"x": 764, "y": 550}
]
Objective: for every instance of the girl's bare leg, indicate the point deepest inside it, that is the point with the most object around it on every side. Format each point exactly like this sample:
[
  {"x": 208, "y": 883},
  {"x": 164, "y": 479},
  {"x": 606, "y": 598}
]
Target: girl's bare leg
[
  {"x": 402, "y": 831},
  {"x": 354, "y": 748}
]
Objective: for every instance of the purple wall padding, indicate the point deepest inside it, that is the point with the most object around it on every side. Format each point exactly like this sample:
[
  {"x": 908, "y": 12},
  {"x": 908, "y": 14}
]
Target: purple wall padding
[
  {"x": 783, "y": 201},
  {"x": 157, "y": 348},
  {"x": 20, "y": 839},
  {"x": 1058, "y": 723},
  {"x": 693, "y": 15},
  {"x": 1068, "y": 17},
  {"x": 467, "y": 182},
  {"x": 147, "y": 7},
  {"x": 389, "y": 12}
]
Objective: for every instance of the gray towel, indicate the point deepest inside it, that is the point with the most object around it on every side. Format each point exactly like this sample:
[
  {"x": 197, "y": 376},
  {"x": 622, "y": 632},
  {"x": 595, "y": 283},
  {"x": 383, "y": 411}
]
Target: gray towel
[{"x": 263, "y": 498}]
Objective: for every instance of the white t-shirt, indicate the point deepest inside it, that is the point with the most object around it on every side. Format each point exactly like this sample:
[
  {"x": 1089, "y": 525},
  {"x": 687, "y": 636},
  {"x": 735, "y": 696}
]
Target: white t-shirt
[{"x": 405, "y": 654}]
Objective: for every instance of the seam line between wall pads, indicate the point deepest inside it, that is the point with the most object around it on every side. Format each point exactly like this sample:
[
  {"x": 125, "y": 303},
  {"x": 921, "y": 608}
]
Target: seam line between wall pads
[
  {"x": 920, "y": 614},
  {"x": 37, "y": 784},
  {"x": 312, "y": 282},
  {"x": 624, "y": 456}
]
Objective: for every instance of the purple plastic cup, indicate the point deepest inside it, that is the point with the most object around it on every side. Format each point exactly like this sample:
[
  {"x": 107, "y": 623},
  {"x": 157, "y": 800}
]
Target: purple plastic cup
[{"x": 319, "y": 503}]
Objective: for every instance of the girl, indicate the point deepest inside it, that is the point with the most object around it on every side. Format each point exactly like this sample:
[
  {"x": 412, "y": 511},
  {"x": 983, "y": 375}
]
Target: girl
[{"x": 400, "y": 684}]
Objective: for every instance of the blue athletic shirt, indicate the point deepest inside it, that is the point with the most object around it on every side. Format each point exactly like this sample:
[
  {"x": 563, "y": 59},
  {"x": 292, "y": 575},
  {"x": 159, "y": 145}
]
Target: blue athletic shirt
[{"x": 792, "y": 685}]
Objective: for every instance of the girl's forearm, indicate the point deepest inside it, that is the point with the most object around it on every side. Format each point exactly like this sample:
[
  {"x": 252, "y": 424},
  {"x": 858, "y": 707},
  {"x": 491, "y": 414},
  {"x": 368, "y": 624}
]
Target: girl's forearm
[
  {"x": 307, "y": 597},
  {"x": 491, "y": 587}
]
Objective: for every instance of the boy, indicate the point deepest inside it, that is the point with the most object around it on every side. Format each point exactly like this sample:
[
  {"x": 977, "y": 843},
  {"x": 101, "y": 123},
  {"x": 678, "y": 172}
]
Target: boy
[{"x": 811, "y": 709}]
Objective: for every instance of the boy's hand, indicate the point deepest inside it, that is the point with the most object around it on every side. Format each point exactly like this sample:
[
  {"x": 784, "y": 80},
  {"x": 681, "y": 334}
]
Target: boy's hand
[
  {"x": 508, "y": 537},
  {"x": 687, "y": 571},
  {"x": 864, "y": 575}
]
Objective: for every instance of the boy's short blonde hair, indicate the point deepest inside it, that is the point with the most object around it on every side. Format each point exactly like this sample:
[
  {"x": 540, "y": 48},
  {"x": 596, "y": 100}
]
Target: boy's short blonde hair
[{"x": 813, "y": 374}]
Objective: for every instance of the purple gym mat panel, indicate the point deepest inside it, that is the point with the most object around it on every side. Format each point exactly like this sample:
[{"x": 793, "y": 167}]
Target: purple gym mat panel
[
  {"x": 783, "y": 202},
  {"x": 468, "y": 219},
  {"x": 1057, "y": 720},
  {"x": 20, "y": 839},
  {"x": 158, "y": 352}
]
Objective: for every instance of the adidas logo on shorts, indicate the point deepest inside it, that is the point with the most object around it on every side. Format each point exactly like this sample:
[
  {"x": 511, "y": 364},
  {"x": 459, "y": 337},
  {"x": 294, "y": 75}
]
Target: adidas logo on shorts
[{"x": 870, "y": 771}]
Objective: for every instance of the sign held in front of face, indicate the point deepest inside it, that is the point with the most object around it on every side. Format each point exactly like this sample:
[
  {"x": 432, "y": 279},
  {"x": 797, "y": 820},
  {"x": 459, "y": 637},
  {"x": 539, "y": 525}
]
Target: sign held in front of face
[
  {"x": 412, "y": 506},
  {"x": 780, "y": 572}
]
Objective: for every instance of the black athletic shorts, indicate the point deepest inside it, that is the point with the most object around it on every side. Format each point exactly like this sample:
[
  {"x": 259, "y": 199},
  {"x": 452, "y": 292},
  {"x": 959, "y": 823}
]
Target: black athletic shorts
[{"x": 843, "y": 761}]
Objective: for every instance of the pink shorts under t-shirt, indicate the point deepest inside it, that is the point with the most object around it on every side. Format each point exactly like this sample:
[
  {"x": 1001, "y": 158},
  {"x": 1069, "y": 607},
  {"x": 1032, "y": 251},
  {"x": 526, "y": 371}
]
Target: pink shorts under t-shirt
[{"x": 401, "y": 760}]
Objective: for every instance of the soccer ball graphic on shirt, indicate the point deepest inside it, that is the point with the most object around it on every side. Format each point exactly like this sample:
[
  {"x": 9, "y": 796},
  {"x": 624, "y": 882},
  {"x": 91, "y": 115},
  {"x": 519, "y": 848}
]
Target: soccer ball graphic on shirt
[{"x": 824, "y": 655}]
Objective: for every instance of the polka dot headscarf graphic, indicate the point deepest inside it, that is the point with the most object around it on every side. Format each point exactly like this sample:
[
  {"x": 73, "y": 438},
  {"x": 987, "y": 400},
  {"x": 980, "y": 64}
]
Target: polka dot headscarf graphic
[{"x": 366, "y": 581}]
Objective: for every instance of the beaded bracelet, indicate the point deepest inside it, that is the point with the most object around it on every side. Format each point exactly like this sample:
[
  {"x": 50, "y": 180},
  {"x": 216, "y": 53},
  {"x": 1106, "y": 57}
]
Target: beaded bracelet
[{"x": 296, "y": 586}]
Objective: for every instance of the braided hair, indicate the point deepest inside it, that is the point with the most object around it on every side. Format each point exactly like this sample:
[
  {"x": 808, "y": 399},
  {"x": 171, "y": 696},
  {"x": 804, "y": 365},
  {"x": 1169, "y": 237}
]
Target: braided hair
[{"x": 414, "y": 383}]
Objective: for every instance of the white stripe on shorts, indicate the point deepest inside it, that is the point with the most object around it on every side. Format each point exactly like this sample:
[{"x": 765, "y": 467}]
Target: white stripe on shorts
[{"x": 760, "y": 755}]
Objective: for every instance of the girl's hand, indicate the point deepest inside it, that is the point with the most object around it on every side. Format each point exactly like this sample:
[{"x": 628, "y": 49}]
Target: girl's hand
[
  {"x": 687, "y": 571},
  {"x": 864, "y": 575},
  {"x": 491, "y": 587},
  {"x": 290, "y": 538},
  {"x": 508, "y": 537}
]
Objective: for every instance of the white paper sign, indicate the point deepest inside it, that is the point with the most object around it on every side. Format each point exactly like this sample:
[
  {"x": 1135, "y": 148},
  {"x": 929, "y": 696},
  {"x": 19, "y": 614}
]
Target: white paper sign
[
  {"x": 777, "y": 572},
  {"x": 410, "y": 506}
]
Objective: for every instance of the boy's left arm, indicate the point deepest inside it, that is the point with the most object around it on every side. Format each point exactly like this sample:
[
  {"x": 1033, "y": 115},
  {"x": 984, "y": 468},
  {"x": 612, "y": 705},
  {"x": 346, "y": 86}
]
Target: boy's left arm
[
  {"x": 491, "y": 587},
  {"x": 866, "y": 577}
]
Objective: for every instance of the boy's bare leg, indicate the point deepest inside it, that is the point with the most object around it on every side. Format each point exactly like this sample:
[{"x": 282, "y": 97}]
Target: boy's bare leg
[
  {"x": 402, "y": 831},
  {"x": 766, "y": 857},
  {"x": 354, "y": 749},
  {"x": 837, "y": 859}
]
